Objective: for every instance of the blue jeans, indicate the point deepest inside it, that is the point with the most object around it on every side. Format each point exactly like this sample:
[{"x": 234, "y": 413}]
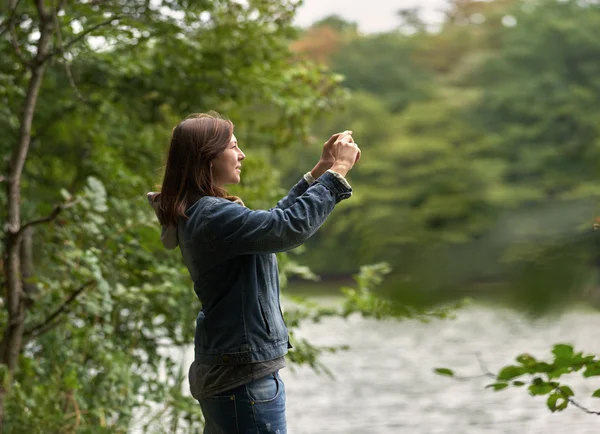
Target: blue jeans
[{"x": 254, "y": 408}]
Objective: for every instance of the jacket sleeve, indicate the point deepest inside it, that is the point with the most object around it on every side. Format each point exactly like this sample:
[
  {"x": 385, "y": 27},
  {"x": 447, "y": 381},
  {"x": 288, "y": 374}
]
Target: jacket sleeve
[
  {"x": 238, "y": 230},
  {"x": 293, "y": 194}
]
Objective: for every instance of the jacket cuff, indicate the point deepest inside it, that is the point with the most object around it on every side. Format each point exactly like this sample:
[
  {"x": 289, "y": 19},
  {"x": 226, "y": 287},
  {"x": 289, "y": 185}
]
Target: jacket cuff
[
  {"x": 309, "y": 178},
  {"x": 338, "y": 187},
  {"x": 341, "y": 178}
]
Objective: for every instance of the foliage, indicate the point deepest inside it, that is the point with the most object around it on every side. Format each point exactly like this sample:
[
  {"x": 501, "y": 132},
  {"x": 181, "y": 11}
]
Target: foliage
[
  {"x": 364, "y": 299},
  {"x": 543, "y": 107},
  {"x": 496, "y": 151},
  {"x": 108, "y": 304},
  {"x": 544, "y": 378},
  {"x": 390, "y": 72},
  {"x": 482, "y": 164}
]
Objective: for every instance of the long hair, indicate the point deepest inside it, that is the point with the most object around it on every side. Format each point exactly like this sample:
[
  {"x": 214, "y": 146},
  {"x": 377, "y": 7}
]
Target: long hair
[{"x": 195, "y": 142}]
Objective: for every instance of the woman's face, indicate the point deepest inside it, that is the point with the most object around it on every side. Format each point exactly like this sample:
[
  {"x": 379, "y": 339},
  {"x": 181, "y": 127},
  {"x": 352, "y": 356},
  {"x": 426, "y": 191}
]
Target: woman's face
[{"x": 226, "y": 168}]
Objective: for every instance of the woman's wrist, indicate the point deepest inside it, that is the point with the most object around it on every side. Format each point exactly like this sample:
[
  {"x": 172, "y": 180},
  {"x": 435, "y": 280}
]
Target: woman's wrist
[
  {"x": 341, "y": 168},
  {"x": 320, "y": 168}
]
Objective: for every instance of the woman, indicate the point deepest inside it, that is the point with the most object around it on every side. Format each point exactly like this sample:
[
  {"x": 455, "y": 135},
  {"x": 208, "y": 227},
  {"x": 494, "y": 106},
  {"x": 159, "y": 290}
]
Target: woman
[{"x": 241, "y": 338}]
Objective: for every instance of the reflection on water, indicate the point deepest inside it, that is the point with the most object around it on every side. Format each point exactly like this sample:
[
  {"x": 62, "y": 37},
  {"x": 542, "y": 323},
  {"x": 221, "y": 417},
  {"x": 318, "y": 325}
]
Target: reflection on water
[{"x": 385, "y": 382}]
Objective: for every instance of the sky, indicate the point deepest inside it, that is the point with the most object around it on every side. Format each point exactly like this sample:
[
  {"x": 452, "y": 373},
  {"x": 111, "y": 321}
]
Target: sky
[{"x": 371, "y": 15}]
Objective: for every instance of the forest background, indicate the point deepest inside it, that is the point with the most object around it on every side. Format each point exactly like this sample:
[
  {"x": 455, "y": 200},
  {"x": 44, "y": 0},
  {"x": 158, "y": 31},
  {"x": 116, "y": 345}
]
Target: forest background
[{"x": 481, "y": 146}]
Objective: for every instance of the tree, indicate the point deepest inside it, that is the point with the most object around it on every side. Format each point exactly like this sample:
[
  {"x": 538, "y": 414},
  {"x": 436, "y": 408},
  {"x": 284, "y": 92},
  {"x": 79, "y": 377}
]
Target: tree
[
  {"x": 90, "y": 91},
  {"x": 472, "y": 160},
  {"x": 324, "y": 38},
  {"x": 540, "y": 99},
  {"x": 383, "y": 65}
]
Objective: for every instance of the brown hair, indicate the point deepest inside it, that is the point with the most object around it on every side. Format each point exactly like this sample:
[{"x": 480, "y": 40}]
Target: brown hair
[{"x": 195, "y": 142}]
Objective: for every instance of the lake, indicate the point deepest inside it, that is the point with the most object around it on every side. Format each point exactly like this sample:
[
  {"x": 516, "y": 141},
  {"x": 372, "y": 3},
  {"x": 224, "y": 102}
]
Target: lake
[{"x": 385, "y": 383}]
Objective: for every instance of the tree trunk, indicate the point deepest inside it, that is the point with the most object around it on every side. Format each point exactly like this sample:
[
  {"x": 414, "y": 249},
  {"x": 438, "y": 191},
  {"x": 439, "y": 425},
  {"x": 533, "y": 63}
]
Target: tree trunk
[
  {"x": 15, "y": 301},
  {"x": 30, "y": 289}
]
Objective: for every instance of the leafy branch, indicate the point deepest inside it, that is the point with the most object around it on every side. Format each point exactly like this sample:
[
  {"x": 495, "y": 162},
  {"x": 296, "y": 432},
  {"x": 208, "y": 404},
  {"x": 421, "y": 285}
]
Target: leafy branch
[
  {"x": 50, "y": 322},
  {"x": 52, "y": 216},
  {"x": 542, "y": 377},
  {"x": 64, "y": 47},
  {"x": 9, "y": 23},
  {"x": 363, "y": 300},
  {"x": 63, "y": 52}
]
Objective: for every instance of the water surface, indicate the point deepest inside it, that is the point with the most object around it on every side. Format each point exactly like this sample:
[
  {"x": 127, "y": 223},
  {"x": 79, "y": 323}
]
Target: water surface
[{"x": 385, "y": 382}]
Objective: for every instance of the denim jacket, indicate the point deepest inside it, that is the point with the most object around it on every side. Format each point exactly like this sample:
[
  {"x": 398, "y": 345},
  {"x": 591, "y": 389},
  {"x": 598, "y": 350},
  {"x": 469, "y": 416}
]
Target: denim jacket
[{"x": 229, "y": 251}]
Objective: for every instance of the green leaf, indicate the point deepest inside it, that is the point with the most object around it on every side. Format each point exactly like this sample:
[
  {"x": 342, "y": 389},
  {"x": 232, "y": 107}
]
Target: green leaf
[
  {"x": 541, "y": 389},
  {"x": 566, "y": 391},
  {"x": 444, "y": 371},
  {"x": 596, "y": 393},
  {"x": 557, "y": 402},
  {"x": 557, "y": 373},
  {"x": 542, "y": 367},
  {"x": 71, "y": 380},
  {"x": 510, "y": 372},
  {"x": 518, "y": 383},
  {"x": 592, "y": 370},
  {"x": 551, "y": 401},
  {"x": 497, "y": 386},
  {"x": 65, "y": 194},
  {"x": 563, "y": 351},
  {"x": 526, "y": 359}
]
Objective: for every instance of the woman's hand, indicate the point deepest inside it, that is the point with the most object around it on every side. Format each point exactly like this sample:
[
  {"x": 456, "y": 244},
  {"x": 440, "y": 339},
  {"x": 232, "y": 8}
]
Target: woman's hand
[
  {"x": 327, "y": 156},
  {"x": 346, "y": 154}
]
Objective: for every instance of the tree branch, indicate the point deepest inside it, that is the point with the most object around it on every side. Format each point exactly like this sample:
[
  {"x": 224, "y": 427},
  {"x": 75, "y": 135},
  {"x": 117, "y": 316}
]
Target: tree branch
[
  {"x": 27, "y": 337},
  {"x": 49, "y": 322},
  {"x": 26, "y": 260},
  {"x": 487, "y": 373},
  {"x": 55, "y": 212},
  {"x": 11, "y": 9},
  {"x": 13, "y": 335},
  {"x": 62, "y": 51},
  {"x": 581, "y": 407},
  {"x": 41, "y": 8},
  {"x": 10, "y": 25},
  {"x": 82, "y": 35},
  {"x": 15, "y": 44},
  {"x": 60, "y": 6},
  {"x": 484, "y": 369}
]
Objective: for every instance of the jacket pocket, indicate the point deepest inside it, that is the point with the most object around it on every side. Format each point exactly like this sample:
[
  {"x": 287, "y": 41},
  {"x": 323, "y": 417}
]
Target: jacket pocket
[{"x": 264, "y": 317}]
